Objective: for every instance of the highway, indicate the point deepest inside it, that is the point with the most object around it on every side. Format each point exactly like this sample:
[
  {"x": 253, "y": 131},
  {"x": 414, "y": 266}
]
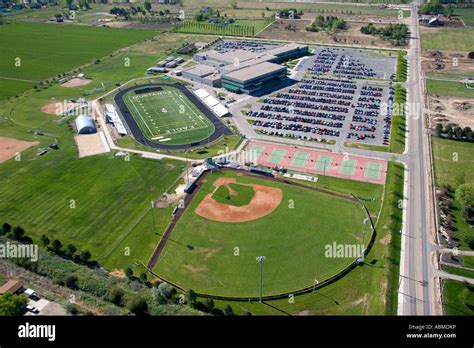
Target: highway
[{"x": 416, "y": 292}]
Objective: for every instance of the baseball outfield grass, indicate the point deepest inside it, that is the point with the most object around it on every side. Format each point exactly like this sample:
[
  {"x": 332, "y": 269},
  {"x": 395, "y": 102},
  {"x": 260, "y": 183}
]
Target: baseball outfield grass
[{"x": 219, "y": 258}]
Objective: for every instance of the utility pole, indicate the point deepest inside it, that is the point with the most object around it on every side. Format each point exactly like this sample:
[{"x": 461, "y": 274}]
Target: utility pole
[{"x": 260, "y": 260}]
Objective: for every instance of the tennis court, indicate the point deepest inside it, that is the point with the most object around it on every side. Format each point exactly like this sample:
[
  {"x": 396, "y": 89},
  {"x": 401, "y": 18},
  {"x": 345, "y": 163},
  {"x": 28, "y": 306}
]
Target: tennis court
[
  {"x": 300, "y": 159},
  {"x": 276, "y": 156},
  {"x": 318, "y": 162}
]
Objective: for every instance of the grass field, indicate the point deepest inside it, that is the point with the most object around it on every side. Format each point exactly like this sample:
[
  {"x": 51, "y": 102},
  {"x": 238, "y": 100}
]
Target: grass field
[
  {"x": 453, "y": 166},
  {"x": 122, "y": 216},
  {"x": 449, "y": 39},
  {"x": 458, "y": 298},
  {"x": 10, "y": 88},
  {"x": 234, "y": 194},
  {"x": 449, "y": 88},
  {"x": 28, "y": 49},
  {"x": 467, "y": 15},
  {"x": 168, "y": 116},
  {"x": 201, "y": 254}
]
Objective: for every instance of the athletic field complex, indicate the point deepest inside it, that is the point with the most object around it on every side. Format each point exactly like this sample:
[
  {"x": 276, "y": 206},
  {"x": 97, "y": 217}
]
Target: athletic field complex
[
  {"x": 233, "y": 216},
  {"x": 168, "y": 116}
]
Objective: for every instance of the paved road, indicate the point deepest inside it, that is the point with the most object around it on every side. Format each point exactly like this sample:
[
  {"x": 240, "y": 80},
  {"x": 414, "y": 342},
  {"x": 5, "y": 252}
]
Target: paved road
[{"x": 416, "y": 271}]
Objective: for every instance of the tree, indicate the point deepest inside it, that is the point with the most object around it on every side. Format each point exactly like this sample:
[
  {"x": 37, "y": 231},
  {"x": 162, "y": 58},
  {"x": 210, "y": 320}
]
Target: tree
[
  {"x": 12, "y": 305},
  {"x": 138, "y": 306},
  {"x": 129, "y": 272},
  {"x": 57, "y": 245},
  {"x": 71, "y": 249},
  {"x": 85, "y": 256},
  {"x": 228, "y": 310},
  {"x": 439, "y": 129},
  {"x": 465, "y": 194},
  {"x": 147, "y": 6},
  {"x": 191, "y": 297},
  {"x": 71, "y": 281},
  {"x": 45, "y": 240},
  {"x": 6, "y": 228},
  {"x": 209, "y": 304},
  {"x": 116, "y": 296},
  {"x": 143, "y": 277},
  {"x": 18, "y": 233},
  {"x": 166, "y": 290}
]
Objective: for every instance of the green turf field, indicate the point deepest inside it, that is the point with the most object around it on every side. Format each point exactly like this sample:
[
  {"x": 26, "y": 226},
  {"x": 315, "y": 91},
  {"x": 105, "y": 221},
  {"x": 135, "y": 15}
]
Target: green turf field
[
  {"x": 35, "y": 51},
  {"x": 449, "y": 39},
  {"x": 201, "y": 254},
  {"x": 458, "y": 298},
  {"x": 168, "y": 117},
  {"x": 449, "y": 88},
  {"x": 234, "y": 194}
]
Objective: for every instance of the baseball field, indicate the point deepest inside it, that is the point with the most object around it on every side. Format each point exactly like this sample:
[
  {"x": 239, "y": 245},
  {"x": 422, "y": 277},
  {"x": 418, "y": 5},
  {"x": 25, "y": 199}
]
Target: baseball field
[
  {"x": 167, "y": 116},
  {"x": 233, "y": 218}
]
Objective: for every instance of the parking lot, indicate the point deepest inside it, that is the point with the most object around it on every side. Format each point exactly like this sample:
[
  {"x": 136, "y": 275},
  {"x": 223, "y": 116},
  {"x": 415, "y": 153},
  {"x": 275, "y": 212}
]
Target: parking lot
[{"x": 341, "y": 95}]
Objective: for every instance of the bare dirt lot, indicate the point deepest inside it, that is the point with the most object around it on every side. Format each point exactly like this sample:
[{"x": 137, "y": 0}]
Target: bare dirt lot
[
  {"x": 446, "y": 61},
  {"x": 76, "y": 82},
  {"x": 452, "y": 110},
  {"x": 90, "y": 144},
  {"x": 57, "y": 108},
  {"x": 264, "y": 202},
  {"x": 10, "y": 147}
]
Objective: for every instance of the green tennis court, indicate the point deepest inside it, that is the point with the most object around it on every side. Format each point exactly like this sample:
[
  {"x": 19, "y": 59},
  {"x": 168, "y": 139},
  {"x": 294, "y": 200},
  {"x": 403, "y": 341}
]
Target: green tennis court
[
  {"x": 324, "y": 162},
  {"x": 348, "y": 167},
  {"x": 373, "y": 170},
  {"x": 276, "y": 156},
  {"x": 300, "y": 159},
  {"x": 254, "y": 153}
]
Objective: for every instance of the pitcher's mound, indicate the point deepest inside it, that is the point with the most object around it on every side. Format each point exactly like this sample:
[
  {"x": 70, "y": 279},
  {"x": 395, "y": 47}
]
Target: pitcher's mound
[{"x": 76, "y": 82}]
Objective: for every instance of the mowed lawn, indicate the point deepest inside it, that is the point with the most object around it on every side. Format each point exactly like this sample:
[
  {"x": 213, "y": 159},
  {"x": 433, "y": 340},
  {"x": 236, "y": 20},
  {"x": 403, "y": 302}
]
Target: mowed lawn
[
  {"x": 458, "y": 298},
  {"x": 36, "y": 51},
  {"x": 10, "y": 88},
  {"x": 219, "y": 258},
  {"x": 168, "y": 116},
  {"x": 467, "y": 15},
  {"x": 234, "y": 194},
  {"x": 449, "y": 88},
  {"x": 454, "y": 165},
  {"x": 449, "y": 39}
]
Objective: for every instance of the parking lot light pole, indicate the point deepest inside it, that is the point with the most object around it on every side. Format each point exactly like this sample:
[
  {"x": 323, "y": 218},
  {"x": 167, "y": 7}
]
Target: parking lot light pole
[{"x": 260, "y": 260}]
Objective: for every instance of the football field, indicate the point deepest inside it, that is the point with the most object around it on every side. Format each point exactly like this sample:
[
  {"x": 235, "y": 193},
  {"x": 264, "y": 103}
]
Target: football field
[{"x": 167, "y": 116}]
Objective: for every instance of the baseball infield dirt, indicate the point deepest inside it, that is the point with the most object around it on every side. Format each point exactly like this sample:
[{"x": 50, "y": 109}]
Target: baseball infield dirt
[
  {"x": 264, "y": 202},
  {"x": 76, "y": 82},
  {"x": 10, "y": 147}
]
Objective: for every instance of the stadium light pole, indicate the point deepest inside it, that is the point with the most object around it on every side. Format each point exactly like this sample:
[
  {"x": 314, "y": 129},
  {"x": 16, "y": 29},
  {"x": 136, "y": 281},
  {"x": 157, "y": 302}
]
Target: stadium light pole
[{"x": 260, "y": 260}]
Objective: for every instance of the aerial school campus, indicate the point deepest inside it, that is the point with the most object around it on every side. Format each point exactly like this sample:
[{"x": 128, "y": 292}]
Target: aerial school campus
[{"x": 235, "y": 157}]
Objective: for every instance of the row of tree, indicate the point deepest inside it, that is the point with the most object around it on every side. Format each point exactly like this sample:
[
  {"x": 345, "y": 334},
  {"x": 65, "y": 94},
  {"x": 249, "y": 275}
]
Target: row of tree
[
  {"x": 435, "y": 7},
  {"x": 454, "y": 131},
  {"x": 395, "y": 33},
  {"x": 211, "y": 28}
]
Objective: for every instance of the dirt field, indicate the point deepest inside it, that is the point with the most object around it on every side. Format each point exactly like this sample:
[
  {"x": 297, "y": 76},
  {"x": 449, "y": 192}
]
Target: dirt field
[
  {"x": 265, "y": 201},
  {"x": 76, "y": 82},
  {"x": 446, "y": 61},
  {"x": 10, "y": 147},
  {"x": 89, "y": 145},
  {"x": 452, "y": 110},
  {"x": 56, "y": 108},
  {"x": 350, "y": 36}
]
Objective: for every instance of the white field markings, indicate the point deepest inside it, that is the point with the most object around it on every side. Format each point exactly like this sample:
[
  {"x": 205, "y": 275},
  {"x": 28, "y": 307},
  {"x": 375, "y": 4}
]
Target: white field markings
[{"x": 140, "y": 115}]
